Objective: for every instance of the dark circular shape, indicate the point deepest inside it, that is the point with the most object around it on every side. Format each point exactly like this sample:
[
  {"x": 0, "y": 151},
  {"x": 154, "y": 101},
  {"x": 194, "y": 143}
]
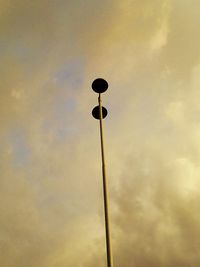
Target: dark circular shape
[
  {"x": 99, "y": 85},
  {"x": 96, "y": 115}
]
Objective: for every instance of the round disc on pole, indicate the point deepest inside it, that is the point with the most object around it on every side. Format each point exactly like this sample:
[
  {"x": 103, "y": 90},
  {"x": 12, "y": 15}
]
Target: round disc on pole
[
  {"x": 95, "y": 112},
  {"x": 99, "y": 85}
]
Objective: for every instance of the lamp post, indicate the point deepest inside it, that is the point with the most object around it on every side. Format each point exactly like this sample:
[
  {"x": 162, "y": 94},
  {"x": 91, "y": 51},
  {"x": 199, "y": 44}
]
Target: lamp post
[{"x": 99, "y": 112}]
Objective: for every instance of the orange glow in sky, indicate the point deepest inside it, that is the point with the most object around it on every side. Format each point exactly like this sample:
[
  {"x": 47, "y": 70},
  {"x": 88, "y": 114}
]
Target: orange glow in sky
[{"x": 50, "y": 172}]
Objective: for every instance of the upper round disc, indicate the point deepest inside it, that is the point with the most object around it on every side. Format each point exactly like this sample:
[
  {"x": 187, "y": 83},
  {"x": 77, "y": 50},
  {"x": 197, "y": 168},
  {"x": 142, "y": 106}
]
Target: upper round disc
[
  {"x": 99, "y": 85},
  {"x": 96, "y": 112}
]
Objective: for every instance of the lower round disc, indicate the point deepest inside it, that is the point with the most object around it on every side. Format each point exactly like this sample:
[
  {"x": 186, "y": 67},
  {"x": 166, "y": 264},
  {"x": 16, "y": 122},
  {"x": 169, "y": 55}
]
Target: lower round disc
[{"x": 96, "y": 113}]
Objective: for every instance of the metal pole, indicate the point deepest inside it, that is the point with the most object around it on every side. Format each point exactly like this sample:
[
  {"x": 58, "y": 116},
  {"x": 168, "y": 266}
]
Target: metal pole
[{"x": 105, "y": 192}]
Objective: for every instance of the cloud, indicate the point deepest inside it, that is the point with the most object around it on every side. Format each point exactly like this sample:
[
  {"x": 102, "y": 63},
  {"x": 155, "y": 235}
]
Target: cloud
[
  {"x": 182, "y": 52},
  {"x": 159, "y": 223},
  {"x": 51, "y": 189}
]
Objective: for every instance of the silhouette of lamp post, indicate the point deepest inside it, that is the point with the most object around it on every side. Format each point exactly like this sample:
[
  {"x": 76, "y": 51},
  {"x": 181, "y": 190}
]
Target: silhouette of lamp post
[{"x": 99, "y": 112}]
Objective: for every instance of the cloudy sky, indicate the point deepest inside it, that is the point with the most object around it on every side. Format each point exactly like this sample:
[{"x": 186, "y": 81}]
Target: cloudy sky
[{"x": 50, "y": 173}]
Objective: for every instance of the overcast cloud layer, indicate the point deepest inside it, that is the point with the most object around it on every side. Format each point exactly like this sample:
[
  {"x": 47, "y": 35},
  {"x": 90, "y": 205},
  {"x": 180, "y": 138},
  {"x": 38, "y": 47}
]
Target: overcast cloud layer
[{"x": 50, "y": 174}]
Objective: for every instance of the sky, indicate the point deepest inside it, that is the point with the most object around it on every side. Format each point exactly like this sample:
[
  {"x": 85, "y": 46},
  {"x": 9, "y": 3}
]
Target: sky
[{"x": 51, "y": 201}]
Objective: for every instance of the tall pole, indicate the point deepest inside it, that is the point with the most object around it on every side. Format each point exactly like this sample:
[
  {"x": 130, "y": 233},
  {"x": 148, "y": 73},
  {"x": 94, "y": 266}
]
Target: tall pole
[
  {"x": 105, "y": 192},
  {"x": 100, "y": 113}
]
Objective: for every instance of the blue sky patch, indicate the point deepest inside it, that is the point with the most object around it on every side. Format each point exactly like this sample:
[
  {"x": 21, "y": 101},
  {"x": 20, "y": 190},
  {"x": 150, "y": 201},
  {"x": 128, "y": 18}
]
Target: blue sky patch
[
  {"x": 70, "y": 74},
  {"x": 20, "y": 148}
]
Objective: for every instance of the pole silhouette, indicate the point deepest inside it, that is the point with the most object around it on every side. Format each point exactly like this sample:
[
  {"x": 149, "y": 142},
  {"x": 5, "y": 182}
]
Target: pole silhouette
[{"x": 99, "y": 112}]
